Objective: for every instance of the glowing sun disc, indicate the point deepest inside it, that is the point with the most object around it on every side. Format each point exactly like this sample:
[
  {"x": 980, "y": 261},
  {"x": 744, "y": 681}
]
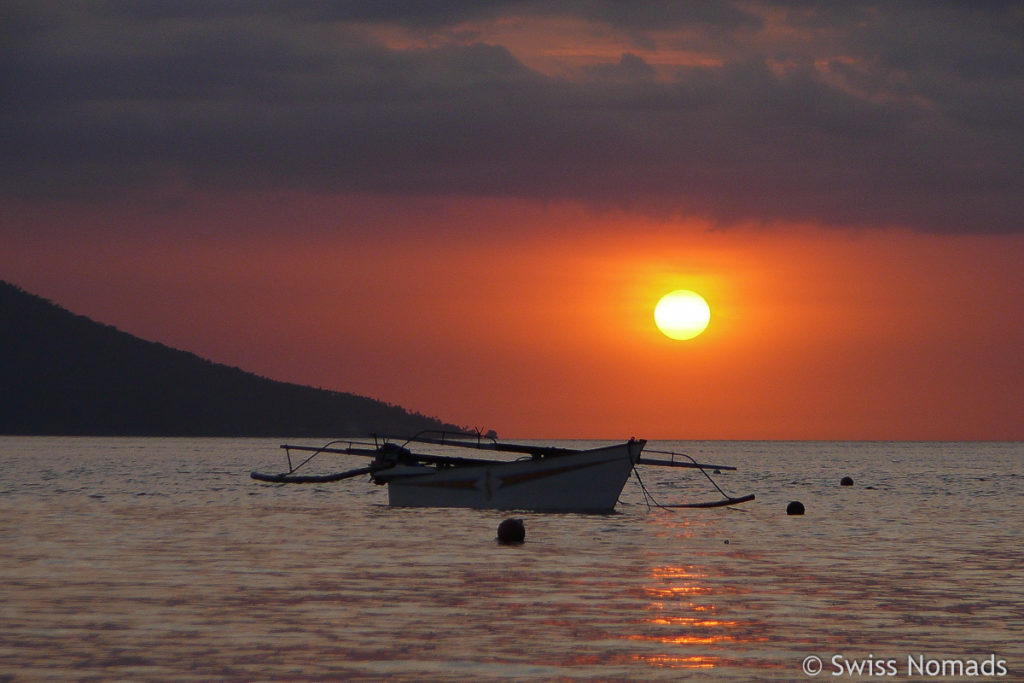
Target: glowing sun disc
[{"x": 682, "y": 314}]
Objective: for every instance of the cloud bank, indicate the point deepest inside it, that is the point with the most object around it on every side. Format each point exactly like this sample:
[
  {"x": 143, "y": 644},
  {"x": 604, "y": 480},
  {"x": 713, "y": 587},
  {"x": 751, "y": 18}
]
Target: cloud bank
[{"x": 856, "y": 113}]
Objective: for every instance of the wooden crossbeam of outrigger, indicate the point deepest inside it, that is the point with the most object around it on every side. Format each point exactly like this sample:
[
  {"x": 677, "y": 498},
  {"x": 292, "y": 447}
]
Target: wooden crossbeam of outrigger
[{"x": 678, "y": 463}]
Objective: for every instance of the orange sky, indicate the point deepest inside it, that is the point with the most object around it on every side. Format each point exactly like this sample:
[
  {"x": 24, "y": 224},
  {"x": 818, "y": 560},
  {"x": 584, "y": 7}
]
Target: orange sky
[
  {"x": 815, "y": 333},
  {"x": 471, "y": 209}
]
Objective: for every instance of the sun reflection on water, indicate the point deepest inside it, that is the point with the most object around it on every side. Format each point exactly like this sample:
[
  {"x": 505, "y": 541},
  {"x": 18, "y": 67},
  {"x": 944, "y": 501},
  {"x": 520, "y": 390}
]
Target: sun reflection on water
[
  {"x": 665, "y": 661},
  {"x": 683, "y": 620}
]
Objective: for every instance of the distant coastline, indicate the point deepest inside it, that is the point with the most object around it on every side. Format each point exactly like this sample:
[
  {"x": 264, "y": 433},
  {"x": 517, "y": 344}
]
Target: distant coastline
[{"x": 66, "y": 375}]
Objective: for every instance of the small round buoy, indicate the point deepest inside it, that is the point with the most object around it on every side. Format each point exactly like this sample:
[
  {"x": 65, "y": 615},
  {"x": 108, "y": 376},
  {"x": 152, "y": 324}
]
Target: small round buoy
[
  {"x": 846, "y": 481},
  {"x": 511, "y": 531},
  {"x": 795, "y": 508}
]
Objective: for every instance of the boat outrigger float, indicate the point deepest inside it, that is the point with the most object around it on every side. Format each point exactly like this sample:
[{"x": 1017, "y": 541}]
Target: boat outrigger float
[{"x": 543, "y": 478}]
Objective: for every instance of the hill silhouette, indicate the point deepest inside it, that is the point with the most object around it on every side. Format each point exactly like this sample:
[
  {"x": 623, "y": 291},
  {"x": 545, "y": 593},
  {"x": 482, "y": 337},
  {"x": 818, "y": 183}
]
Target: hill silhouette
[{"x": 64, "y": 374}]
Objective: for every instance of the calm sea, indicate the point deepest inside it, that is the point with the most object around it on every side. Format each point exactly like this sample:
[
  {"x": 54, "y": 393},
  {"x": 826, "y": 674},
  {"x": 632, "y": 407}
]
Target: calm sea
[{"x": 160, "y": 559}]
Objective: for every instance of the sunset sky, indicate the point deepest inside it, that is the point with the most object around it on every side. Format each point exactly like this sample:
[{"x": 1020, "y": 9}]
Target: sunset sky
[{"x": 471, "y": 209}]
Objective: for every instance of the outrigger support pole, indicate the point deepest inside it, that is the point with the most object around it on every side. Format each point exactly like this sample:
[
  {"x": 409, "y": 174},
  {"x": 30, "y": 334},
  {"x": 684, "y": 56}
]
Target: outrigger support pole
[{"x": 692, "y": 463}]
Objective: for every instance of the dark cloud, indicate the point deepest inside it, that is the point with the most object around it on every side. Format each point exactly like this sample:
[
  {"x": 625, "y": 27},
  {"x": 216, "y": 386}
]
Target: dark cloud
[
  {"x": 640, "y": 14},
  {"x": 880, "y": 114}
]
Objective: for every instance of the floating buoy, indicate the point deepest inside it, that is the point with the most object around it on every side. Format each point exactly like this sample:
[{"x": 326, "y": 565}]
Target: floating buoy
[
  {"x": 846, "y": 481},
  {"x": 795, "y": 508},
  {"x": 511, "y": 531}
]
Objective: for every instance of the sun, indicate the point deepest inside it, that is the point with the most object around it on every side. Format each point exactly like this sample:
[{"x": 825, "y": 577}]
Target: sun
[{"x": 682, "y": 314}]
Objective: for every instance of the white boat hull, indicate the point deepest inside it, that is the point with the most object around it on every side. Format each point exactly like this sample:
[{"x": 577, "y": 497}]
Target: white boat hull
[{"x": 587, "y": 481}]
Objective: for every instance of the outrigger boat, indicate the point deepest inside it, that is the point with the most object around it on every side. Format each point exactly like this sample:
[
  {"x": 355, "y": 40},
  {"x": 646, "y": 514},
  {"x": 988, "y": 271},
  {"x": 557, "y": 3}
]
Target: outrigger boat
[{"x": 543, "y": 478}]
